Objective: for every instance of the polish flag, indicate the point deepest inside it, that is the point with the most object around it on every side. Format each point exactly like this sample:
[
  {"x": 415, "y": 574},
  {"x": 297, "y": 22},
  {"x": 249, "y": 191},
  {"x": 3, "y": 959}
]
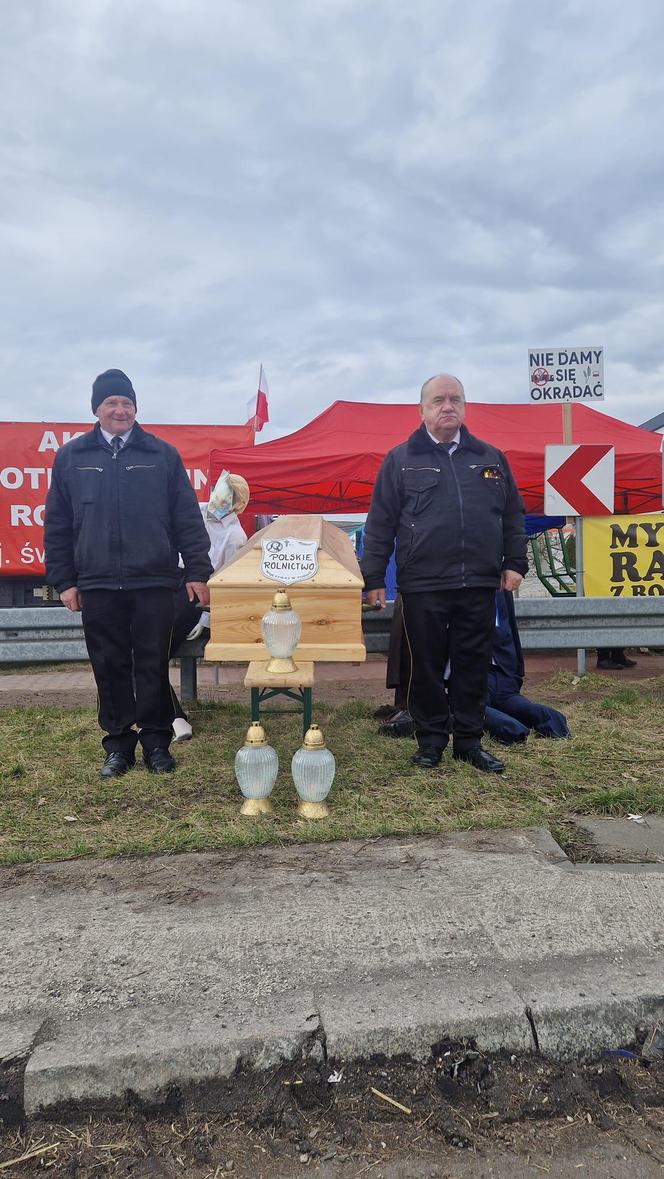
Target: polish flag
[{"x": 257, "y": 406}]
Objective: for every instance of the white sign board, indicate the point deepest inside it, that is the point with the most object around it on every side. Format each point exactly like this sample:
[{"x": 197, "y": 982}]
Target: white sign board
[
  {"x": 566, "y": 374},
  {"x": 579, "y": 480},
  {"x": 286, "y": 559}
]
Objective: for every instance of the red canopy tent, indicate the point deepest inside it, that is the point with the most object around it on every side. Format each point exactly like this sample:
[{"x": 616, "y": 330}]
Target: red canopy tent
[{"x": 330, "y": 464}]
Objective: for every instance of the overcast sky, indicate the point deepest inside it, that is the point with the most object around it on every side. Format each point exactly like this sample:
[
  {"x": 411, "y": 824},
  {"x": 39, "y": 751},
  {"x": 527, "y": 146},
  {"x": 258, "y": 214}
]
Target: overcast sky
[{"x": 357, "y": 193}]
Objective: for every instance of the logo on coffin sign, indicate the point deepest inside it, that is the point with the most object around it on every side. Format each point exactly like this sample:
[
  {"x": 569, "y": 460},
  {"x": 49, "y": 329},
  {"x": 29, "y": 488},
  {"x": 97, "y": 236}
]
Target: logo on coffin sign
[{"x": 287, "y": 559}]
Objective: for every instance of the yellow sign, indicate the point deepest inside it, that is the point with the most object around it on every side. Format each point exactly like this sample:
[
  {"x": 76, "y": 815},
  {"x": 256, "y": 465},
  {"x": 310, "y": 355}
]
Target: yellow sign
[{"x": 623, "y": 556}]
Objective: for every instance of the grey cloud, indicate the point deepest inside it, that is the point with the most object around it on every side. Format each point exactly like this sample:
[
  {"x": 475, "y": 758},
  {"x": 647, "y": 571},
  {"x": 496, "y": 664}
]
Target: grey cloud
[{"x": 354, "y": 194}]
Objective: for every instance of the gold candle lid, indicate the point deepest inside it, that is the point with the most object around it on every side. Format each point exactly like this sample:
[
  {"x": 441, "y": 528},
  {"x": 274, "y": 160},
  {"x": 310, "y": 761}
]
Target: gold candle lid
[
  {"x": 281, "y": 601},
  {"x": 255, "y": 735},
  {"x": 313, "y": 738}
]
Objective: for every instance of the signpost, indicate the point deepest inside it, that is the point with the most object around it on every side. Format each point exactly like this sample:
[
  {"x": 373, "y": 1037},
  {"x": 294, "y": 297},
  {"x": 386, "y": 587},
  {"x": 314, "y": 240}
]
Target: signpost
[
  {"x": 566, "y": 375},
  {"x": 626, "y": 557},
  {"x": 579, "y": 480}
]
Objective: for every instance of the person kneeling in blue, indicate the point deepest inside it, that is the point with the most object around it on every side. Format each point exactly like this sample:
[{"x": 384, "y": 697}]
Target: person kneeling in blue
[{"x": 508, "y": 716}]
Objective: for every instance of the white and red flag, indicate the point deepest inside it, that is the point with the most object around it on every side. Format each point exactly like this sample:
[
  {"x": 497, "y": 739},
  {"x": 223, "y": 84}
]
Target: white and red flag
[{"x": 257, "y": 406}]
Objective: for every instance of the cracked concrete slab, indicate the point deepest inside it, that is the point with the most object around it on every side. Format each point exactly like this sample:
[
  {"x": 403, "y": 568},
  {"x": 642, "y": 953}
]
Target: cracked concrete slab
[
  {"x": 399, "y": 941},
  {"x": 17, "y": 1038},
  {"x": 625, "y": 839},
  {"x": 581, "y": 1005},
  {"x": 99, "y": 1060},
  {"x": 408, "y": 1016}
]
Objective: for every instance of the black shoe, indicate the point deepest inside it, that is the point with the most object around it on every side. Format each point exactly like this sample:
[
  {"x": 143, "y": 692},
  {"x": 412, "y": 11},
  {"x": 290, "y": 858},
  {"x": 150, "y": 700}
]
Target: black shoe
[
  {"x": 401, "y": 725},
  {"x": 428, "y": 757},
  {"x": 482, "y": 760},
  {"x": 385, "y": 712},
  {"x": 158, "y": 761},
  {"x": 625, "y": 662},
  {"x": 116, "y": 765},
  {"x": 611, "y": 665}
]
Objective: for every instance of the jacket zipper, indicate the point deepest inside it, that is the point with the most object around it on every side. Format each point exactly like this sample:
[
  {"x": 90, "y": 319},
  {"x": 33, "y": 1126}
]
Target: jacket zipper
[
  {"x": 90, "y": 469},
  {"x": 463, "y": 535},
  {"x": 436, "y": 469},
  {"x": 141, "y": 467},
  {"x": 117, "y": 498}
]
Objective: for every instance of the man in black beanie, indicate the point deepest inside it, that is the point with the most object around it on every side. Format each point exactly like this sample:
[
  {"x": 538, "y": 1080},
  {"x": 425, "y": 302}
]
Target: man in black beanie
[
  {"x": 112, "y": 383},
  {"x": 119, "y": 513}
]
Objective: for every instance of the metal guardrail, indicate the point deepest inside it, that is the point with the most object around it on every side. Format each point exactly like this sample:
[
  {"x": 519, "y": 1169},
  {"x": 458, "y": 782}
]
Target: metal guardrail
[
  {"x": 376, "y": 629},
  {"x": 563, "y": 624},
  {"x": 54, "y": 635},
  {"x": 40, "y": 634}
]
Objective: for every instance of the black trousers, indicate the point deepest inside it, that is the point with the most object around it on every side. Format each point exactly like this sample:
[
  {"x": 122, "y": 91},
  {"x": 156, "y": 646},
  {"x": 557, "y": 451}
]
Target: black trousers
[
  {"x": 457, "y": 625},
  {"x": 187, "y": 615},
  {"x": 128, "y": 636}
]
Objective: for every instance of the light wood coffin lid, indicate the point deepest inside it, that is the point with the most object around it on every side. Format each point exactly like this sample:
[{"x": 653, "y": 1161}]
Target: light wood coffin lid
[
  {"x": 329, "y": 604},
  {"x": 243, "y": 569}
]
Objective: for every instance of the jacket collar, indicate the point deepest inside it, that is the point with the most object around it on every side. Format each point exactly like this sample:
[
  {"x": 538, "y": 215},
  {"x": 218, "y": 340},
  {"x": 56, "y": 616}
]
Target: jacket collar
[
  {"x": 421, "y": 443},
  {"x": 138, "y": 437}
]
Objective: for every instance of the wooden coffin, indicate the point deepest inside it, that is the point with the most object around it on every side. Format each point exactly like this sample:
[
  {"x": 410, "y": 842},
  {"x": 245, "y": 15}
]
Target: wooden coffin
[{"x": 329, "y": 603}]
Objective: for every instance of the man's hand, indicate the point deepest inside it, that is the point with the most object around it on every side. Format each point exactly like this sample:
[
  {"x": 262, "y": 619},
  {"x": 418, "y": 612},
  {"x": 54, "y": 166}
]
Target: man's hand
[
  {"x": 375, "y": 598},
  {"x": 198, "y": 589},
  {"x": 71, "y": 598},
  {"x": 510, "y": 580}
]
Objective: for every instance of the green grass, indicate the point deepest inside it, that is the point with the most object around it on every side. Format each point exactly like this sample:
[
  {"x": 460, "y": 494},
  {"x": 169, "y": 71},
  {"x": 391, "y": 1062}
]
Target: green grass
[{"x": 50, "y": 759}]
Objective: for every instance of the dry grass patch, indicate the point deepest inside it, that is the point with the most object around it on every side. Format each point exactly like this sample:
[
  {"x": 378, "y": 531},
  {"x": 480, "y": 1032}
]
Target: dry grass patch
[{"x": 53, "y": 805}]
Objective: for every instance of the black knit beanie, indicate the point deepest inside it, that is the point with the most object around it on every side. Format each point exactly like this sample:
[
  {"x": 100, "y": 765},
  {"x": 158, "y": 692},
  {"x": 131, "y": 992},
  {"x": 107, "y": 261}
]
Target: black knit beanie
[{"x": 112, "y": 383}]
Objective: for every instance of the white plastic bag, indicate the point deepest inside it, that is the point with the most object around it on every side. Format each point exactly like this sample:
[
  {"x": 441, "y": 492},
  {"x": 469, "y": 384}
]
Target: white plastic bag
[{"x": 220, "y": 502}]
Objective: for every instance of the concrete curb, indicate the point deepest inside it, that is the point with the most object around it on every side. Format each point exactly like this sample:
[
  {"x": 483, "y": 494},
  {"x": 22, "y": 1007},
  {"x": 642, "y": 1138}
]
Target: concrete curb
[
  {"x": 102, "y": 1063},
  {"x": 109, "y": 1062},
  {"x": 410, "y": 1017},
  {"x": 146, "y": 980}
]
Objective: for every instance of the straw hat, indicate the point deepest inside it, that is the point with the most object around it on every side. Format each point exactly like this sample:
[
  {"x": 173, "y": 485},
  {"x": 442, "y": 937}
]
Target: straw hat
[{"x": 240, "y": 492}]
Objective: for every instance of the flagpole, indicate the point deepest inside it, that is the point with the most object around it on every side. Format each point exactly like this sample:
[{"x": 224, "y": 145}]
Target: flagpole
[{"x": 262, "y": 414}]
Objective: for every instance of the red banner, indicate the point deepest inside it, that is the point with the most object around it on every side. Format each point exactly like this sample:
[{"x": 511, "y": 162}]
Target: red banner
[{"x": 27, "y": 451}]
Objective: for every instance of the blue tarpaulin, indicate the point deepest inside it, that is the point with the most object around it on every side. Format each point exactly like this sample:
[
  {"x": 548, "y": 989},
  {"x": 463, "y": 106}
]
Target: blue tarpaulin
[{"x": 537, "y": 524}]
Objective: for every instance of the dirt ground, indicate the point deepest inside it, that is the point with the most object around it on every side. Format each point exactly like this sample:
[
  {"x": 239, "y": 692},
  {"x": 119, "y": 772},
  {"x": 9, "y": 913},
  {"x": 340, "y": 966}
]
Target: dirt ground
[
  {"x": 72, "y": 686},
  {"x": 458, "y": 1116},
  {"x": 463, "y": 1116}
]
